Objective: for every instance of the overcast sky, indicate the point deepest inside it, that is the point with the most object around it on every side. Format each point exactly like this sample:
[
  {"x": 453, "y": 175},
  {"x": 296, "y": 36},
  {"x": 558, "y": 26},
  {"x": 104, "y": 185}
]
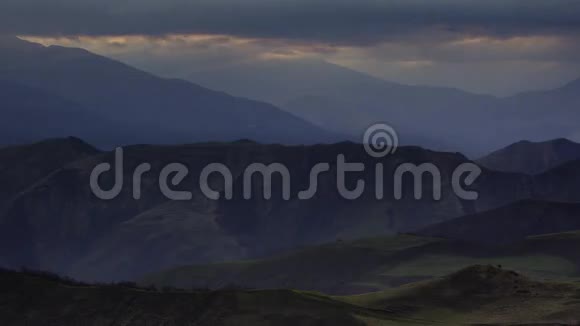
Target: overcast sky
[{"x": 490, "y": 46}]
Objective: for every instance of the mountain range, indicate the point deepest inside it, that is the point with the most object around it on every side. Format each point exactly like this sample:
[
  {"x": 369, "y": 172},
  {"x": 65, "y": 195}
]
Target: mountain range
[
  {"x": 64, "y": 109},
  {"x": 83, "y": 91},
  {"x": 57, "y": 222},
  {"x": 312, "y": 102},
  {"x": 347, "y": 101}
]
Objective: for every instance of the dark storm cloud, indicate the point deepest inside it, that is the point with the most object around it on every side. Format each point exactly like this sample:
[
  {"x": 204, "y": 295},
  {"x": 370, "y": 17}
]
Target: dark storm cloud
[{"x": 331, "y": 21}]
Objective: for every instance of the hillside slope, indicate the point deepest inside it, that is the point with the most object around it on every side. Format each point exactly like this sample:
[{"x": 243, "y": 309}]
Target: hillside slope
[
  {"x": 532, "y": 158},
  {"x": 34, "y": 300},
  {"x": 30, "y": 115},
  {"x": 482, "y": 295},
  {"x": 125, "y": 238},
  {"x": 510, "y": 224},
  {"x": 23, "y": 166},
  {"x": 380, "y": 263}
]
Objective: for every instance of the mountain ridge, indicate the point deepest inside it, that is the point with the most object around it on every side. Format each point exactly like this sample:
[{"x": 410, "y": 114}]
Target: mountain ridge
[
  {"x": 532, "y": 157},
  {"x": 348, "y": 101},
  {"x": 236, "y": 228},
  {"x": 510, "y": 224},
  {"x": 163, "y": 110}
]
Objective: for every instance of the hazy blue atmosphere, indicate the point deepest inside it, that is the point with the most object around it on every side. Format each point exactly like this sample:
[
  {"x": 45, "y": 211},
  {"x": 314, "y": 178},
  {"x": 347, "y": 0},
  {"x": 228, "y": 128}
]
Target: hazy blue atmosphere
[{"x": 283, "y": 163}]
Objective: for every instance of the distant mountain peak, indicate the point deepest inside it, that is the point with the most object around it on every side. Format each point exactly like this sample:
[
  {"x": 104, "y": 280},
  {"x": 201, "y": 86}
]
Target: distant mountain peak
[
  {"x": 532, "y": 157},
  {"x": 556, "y": 141}
]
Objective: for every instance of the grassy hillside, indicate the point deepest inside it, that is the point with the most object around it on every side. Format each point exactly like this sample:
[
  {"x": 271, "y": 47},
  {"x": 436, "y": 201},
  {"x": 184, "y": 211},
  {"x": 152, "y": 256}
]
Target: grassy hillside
[
  {"x": 481, "y": 295},
  {"x": 378, "y": 264},
  {"x": 475, "y": 295}
]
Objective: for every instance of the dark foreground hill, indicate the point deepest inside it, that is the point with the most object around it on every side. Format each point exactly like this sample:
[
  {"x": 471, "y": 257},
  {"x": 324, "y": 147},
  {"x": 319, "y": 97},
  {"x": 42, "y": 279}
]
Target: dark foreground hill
[
  {"x": 478, "y": 294},
  {"x": 482, "y": 295},
  {"x": 38, "y": 300}
]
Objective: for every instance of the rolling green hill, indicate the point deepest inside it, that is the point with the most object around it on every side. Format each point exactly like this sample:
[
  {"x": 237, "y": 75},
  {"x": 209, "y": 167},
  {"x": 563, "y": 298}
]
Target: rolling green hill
[
  {"x": 481, "y": 295},
  {"x": 378, "y": 264}
]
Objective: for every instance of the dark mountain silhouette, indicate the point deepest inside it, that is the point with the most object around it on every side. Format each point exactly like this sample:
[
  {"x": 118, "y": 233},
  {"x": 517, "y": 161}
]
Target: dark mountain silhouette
[
  {"x": 125, "y": 238},
  {"x": 348, "y": 101},
  {"x": 159, "y": 110},
  {"x": 510, "y": 224},
  {"x": 560, "y": 184},
  {"x": 532, "y": 158},
  {"x": 23, "y": 166}
]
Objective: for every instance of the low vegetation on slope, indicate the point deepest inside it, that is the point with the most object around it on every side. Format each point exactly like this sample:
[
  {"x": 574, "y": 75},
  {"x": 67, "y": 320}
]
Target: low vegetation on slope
[
  {"x": 475, "y": 295},
  {"x": 370, "y": 265},
  {"x": 481, "y": 295}
]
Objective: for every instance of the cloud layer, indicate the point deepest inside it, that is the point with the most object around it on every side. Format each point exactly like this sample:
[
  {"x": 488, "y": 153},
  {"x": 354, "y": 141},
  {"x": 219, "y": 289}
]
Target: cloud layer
[
  {"x": 492, "y": 46},
  {"x": 332, "y": 21}
]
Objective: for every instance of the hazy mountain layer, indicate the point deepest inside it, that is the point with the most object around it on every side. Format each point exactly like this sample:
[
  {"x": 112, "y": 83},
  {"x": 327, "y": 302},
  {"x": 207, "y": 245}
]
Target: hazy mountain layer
[
  {"x": 153, "y": 109},
  {"x": 30, "y": 115},
  {"x": 348, "y": 101}
]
